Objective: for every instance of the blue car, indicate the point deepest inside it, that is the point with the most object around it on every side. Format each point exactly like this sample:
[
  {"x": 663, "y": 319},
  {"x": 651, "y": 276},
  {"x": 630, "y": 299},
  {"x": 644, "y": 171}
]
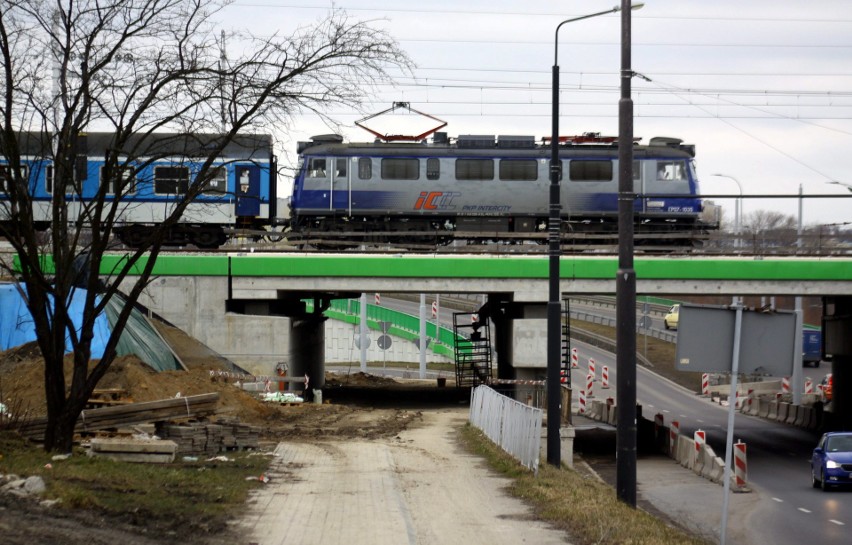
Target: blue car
[{"x": 831, "y": 462}]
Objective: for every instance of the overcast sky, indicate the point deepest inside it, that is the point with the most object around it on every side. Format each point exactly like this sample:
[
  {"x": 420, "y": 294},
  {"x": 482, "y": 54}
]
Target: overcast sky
[{"x": 762, "y": 88}]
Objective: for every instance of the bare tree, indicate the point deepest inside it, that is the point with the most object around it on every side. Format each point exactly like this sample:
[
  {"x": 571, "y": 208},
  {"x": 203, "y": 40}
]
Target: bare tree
[{"x": 150, "y": 74}]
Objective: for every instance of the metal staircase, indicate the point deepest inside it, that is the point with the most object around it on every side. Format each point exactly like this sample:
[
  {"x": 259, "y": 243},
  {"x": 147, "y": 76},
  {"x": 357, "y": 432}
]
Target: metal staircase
[{"x": 472, "y": 349}]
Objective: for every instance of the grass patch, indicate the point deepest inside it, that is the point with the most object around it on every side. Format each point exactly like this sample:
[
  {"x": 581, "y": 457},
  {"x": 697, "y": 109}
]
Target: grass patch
[
  {"x": 660, "y": 353},
  {"x": 180, "y": 497},
  {"x": 585, "y": 508}
]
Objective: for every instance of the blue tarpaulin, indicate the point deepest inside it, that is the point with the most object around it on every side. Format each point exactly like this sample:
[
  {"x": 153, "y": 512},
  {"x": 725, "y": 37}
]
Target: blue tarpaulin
[
  {"x": 139, "y": 336},
  {"x": 17, "y": 327}
]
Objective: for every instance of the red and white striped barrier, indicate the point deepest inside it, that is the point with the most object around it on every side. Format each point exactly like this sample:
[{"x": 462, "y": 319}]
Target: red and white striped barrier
[
  {"x": 563, "y": 376},
  {"x": 700, "y": 438},
  {"x": 590, "y": 381},
  {"x": 581, "y": 407},
  {"x": 592, "y": 368},
  {"x": 474, "y": 318},
  {"x": 658, "y": 421},
  {"x": 738, "y": 402},
  {"x": 785, "y": 385},
  {"x": 378, "y": 299},
  {"x": 575, "y": 359},
  {"x": 674, "y": 432},
  {"x": 434, "y": 309},
  {"x": 740, "y": 468},
  {"x": 809, "y": 386},
  {"x": 604, "y": 377},
  {"x": 705, "y": 384}
]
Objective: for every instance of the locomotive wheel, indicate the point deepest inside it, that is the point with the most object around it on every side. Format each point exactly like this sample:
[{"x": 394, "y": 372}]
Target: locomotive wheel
[{"x": 208, "y": 239}]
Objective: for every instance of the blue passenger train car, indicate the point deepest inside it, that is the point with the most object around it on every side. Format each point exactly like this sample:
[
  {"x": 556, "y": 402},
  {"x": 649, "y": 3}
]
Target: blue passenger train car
[{"x": 240, "y": 192}]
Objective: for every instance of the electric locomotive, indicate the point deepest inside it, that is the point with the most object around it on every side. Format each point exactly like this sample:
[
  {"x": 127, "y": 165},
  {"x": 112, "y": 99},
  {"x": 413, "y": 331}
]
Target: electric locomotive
[{"x": 481, "y": 184}]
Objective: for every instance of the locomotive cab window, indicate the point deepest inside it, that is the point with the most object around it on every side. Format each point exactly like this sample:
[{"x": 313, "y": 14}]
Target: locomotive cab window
[
  {"x": 521, "y": 170},
  {"x": 218, "y": 182},
  {"x": 590, "y": 171},
  {"x": 171, "y": 180},
  {"x": 673, "y": 171},
  {"x": 317, "y": 167},
  {"x": 123, "y": 183},
  {"x": 5, "y": 172},
  {"x": 433, "y": 168},
  {"x": 400, "y": 169},
  {"x": 474, "y": 169},
  {"x": 365, "y": 168}
]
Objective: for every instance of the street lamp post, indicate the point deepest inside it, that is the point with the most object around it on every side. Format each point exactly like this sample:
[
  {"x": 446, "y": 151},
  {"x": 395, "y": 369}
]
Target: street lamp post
[
  {"x": 738, "y": 209},
  {"x": 554, "y": 311},
  {"x": 625, "y": 281}
]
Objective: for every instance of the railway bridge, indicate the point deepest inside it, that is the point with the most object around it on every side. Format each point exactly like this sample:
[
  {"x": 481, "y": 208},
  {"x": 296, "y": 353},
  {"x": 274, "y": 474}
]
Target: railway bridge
[{"x": 213, "y": 296}]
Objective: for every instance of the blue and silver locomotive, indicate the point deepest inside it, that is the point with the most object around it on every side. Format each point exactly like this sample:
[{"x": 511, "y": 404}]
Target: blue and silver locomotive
[{"x": 487, "y": 184}]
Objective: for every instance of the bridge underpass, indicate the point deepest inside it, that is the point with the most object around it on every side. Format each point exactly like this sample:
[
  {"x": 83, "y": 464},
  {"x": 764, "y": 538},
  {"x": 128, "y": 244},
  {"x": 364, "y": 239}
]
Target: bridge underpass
[{"x": 204, "y": 288}]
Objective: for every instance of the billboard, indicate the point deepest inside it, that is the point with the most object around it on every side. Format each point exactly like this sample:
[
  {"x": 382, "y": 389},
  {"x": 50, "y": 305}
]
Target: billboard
[{"x": 705, "y": 340}]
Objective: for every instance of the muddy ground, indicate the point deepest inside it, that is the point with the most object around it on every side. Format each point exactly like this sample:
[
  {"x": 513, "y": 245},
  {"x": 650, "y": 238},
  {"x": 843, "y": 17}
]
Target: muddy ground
[{"x": 355, "y": 406}]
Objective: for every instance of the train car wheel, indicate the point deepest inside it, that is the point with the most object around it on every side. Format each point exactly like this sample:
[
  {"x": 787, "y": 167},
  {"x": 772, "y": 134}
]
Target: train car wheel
[{"x": 208, "y": 239}]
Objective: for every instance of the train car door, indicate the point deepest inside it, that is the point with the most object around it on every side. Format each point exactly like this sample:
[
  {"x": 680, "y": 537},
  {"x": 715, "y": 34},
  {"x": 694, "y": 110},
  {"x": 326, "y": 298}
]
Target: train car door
[
  {"x": 340, "y": 201},
  {"x": 248, "y": 190}
]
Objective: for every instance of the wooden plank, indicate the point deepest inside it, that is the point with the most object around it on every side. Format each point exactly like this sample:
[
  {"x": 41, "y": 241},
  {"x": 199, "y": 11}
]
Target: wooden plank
[{"x": 133, "y": 445}]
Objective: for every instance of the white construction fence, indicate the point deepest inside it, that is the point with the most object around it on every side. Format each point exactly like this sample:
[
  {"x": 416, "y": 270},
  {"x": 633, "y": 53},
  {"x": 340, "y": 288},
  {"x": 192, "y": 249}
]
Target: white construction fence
[{"x": 512, "y": 425}]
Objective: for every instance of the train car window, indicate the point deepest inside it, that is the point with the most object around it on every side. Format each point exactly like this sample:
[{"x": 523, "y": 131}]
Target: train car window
[
  {"x": 637, "y": 171},
  {"x": 474, "y": 169},
  {"x": 590, "y": 171},
  {"x": 523, "y": 170},
  {"x": 365, "y": 168},
  {"x": 218, "y": 183},
  {"x": 400, "y": 169},
  {"x": 340, "y": 168},
  {"x": 171, "y": 180},
  {"x": 124, "y": 184},
  {"x": 6, "y": 171},
  {"x": 49, "y": 178},
  {"x": 674, "y": 171},
  {"x": 433, "y": 168},
  {"x": 317, "y": 168}
]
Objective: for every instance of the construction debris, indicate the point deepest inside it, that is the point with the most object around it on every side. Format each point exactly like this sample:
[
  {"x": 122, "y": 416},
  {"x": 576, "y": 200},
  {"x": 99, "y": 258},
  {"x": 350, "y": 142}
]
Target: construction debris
[{"x": 133, "y": 450}]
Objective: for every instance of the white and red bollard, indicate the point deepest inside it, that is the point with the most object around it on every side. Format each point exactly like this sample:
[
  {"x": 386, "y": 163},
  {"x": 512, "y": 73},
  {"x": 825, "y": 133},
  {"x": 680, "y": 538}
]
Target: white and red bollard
[
  {"x": 674, "y": 432},
  {"x": 785, "y": 385},
  {"x": 809, "y": 386},
  {"x": 563, "y": 376},
  {"x": 378, "y": 299},
  {"x": 658, "y": 421},
  {"x": 740, "y": 468},
  {"x": 700, "y": 438},
  {"x": 705, "y": 384},
  {"x": 604, "y": 377},
  {"x": 590, "y": 381},
  {"x": 575, "y": 359},
  {"x": 592, "y": 368},
  {"x": 581, "y": 403}
]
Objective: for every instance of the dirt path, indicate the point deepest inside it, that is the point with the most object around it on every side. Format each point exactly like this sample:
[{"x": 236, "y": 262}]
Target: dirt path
[{"x": 417, "y": 487}]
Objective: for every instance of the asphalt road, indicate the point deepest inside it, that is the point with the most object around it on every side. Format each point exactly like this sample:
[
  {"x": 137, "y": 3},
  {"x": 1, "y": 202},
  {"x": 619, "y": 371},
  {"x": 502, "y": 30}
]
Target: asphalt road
[{"x": 788, "y": 509}]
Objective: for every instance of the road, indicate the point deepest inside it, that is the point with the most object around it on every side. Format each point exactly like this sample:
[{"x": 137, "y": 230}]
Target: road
[{"x": 789, "y": 510}]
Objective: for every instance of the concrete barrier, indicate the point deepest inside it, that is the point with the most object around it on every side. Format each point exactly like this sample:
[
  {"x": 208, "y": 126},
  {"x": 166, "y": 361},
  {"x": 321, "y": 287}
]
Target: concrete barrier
[
  {"x": 685, "y": 446},
  {"x": 800, "y": 416},
  {"x": 773, "y": 411},
  {"x": 707, "y": 456},
  {"x": 782, "y": 411},
  {"x": 791, "y": 415},
  {"x": 613, "y": 415},
  {"x": 762, "y": 407}
]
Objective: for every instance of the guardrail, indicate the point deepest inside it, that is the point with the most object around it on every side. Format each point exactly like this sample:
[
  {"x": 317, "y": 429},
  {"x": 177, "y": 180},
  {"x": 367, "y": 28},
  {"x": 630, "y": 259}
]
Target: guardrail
[
  {"x": 667, "y": 336},
  {"x": 512, "y": 425}
]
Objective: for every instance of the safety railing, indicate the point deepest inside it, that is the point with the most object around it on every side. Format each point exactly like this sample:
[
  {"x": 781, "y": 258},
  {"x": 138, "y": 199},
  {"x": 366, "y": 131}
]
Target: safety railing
[{"x": 515, "y": 427}]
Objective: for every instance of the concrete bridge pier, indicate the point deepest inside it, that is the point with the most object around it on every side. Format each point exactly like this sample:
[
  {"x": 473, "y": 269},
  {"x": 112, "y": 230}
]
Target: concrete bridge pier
[
  {"x": 307, "y": 349},
  {"x": 837, "y": 331}
]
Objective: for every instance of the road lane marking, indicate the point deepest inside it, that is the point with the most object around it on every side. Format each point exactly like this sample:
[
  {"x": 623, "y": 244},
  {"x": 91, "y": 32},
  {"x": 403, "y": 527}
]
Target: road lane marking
[
  {"x": 779, "y": 500},
  {"x": 837, "y": 522},
  {"x": 803, "y": 510}
]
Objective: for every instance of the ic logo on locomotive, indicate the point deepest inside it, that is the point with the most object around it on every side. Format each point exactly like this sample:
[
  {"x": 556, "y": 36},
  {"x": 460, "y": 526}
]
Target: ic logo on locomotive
[{"x": 436, "y": 200}]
